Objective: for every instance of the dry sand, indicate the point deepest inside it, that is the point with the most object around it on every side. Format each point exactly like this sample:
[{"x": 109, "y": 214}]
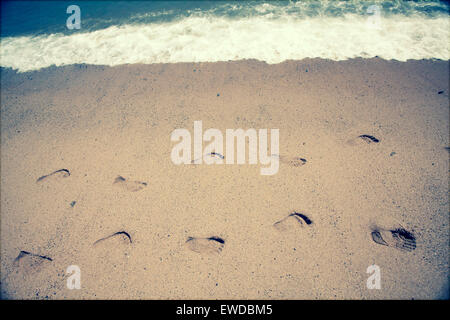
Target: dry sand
[{"x": 101, "y": 122}]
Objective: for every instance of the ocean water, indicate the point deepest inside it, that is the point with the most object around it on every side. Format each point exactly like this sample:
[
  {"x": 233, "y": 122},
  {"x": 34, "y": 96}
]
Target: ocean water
[{"x": 34, "y": 35}]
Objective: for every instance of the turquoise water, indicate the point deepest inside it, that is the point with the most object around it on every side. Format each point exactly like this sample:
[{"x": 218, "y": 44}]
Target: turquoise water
[{"x": 34, "y": 34}]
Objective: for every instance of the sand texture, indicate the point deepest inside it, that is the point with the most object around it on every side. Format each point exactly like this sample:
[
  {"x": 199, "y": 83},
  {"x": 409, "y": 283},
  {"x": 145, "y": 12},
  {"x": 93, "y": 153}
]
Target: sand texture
[{"x": 87, "y": 180}]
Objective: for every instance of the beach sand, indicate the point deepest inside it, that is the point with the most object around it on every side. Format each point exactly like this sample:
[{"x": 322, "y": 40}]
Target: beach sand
[{"x": 101, "y": 122}]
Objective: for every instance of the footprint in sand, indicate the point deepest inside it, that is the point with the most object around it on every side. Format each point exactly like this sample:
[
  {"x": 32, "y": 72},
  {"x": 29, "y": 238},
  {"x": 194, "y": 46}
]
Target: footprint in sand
[
  {"x": 216, "y": 155},
  {"x": 293, "y": 162},
  {"x": 365, "y": 138},
  {"x": 218, "y": 158},
  {"x": 296, "y": 162},
  {"x": 212, "y": 245},
  {"x": 128, "y": 185},
  {"x": 292, "y": 221},
  {"x": 121, "y": 237},
  {"x": 27, "y": 262},
  {"x": 113, "y": 249},
  {"x": 56, "y": 175},
  {"x": 397, "y": 238}
]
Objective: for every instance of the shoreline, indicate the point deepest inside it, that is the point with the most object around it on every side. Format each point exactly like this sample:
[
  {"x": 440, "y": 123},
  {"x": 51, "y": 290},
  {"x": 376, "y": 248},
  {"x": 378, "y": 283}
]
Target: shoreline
[
  {"x": 102, "y": 122},
  {"x": 316, "y": 59}
]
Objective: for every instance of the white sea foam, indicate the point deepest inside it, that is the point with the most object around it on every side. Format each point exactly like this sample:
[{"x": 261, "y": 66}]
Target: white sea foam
[{"x": 271, "y": 38}]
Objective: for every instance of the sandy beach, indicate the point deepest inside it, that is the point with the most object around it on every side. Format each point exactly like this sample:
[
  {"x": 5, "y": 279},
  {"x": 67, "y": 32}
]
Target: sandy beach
[{"x": 87, "y": 180}]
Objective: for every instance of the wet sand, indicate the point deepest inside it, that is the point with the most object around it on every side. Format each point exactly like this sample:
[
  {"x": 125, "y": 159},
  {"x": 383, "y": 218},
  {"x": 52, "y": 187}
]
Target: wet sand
[{"x": 373, "y": 134}]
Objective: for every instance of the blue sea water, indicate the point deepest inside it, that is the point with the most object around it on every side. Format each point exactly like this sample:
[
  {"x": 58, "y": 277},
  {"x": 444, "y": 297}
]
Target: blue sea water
[{"x": 34, "y": 35}]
